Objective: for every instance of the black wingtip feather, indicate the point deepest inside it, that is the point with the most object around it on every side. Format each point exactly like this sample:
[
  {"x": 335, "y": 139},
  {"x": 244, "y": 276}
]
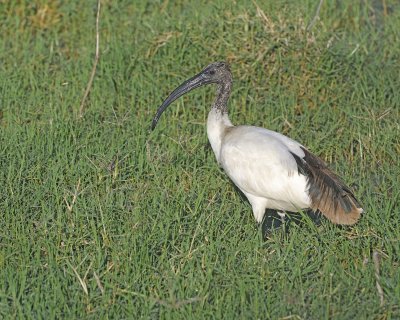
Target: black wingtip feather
[{"x": 327, "y": 191}]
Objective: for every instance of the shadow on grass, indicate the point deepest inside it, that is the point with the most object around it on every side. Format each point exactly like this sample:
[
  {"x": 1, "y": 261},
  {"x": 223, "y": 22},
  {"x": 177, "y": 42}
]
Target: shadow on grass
[{"x": 273, "y": 221}]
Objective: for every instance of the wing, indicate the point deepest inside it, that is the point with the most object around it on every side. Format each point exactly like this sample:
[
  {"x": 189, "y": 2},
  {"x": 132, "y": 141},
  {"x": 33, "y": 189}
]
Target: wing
[{"x": 261, "y": 162}]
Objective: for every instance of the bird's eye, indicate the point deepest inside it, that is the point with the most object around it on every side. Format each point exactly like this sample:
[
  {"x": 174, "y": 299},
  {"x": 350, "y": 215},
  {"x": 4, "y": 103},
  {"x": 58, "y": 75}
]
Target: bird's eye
[{"x": 211, "y": 72}]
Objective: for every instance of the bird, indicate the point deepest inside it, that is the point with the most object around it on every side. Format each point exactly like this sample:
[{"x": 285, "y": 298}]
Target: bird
[{"x": 272, "y": 170}]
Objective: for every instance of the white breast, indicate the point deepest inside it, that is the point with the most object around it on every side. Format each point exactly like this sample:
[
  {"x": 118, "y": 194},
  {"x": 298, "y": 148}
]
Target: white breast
[{"x": 217, "y": 123}]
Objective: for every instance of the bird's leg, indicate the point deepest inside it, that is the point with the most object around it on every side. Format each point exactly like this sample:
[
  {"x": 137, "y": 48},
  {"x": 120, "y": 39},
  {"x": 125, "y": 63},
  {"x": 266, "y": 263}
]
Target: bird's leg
[{"x": 282, "y": 214}]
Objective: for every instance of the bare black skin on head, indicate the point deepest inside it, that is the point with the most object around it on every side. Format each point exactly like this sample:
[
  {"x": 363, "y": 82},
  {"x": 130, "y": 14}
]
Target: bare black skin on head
[{"x": 216, "y": 73}]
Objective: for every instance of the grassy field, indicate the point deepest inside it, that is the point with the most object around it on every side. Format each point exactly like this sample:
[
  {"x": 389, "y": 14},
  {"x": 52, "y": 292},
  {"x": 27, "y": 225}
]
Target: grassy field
[{"x": 102, "y": 219}]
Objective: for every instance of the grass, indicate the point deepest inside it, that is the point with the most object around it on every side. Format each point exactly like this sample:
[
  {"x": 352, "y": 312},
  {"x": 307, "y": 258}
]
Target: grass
[{"x": 102, "y": 219}]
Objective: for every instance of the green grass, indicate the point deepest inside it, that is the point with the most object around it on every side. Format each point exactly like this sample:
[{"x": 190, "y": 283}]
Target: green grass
[{"x": 102, "y": 219}]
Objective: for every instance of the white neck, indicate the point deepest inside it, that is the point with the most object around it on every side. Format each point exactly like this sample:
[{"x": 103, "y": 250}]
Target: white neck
[{"x": 217, "y": 122}]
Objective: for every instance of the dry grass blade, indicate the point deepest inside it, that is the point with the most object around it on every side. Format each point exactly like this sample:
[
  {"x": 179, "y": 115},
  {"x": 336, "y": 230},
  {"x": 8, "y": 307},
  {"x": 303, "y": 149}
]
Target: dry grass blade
[
  {"x": 268, "y": 24},
  {"x": 377, "y": 257},
  {"x": 98, "y": 282},
  {"x": 316, "y": 16},
  {"x": 96, "y": 60},
  {"x": 81, "y": 281},
  {"x": 75, "y": 194}
]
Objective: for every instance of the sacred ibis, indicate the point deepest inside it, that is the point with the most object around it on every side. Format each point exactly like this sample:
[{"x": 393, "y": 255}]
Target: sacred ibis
[{"x": 272, "y": 170}]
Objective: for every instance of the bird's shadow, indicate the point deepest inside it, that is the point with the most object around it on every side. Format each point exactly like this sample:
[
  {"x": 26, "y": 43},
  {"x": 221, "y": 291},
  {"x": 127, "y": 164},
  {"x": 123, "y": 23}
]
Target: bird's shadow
[{"x": 273, "y": 221}]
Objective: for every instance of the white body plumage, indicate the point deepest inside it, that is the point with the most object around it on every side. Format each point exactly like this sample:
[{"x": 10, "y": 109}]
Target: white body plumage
[{"x": 260, "y": 164}]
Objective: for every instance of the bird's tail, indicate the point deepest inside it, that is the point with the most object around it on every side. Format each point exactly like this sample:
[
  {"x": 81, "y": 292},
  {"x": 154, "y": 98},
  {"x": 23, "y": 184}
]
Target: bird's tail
[
  {"x": 333, "y": 199},
  {"x": 327, "y": 192}
]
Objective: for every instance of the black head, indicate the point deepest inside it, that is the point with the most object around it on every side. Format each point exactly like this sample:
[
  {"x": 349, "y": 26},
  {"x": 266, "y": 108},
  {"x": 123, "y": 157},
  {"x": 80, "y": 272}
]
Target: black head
[{"x": 215, "y": 73}]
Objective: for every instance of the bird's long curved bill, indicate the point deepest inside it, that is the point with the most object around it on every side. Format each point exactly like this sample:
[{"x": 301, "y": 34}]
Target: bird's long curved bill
[{"x": 193, "y": 83}]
